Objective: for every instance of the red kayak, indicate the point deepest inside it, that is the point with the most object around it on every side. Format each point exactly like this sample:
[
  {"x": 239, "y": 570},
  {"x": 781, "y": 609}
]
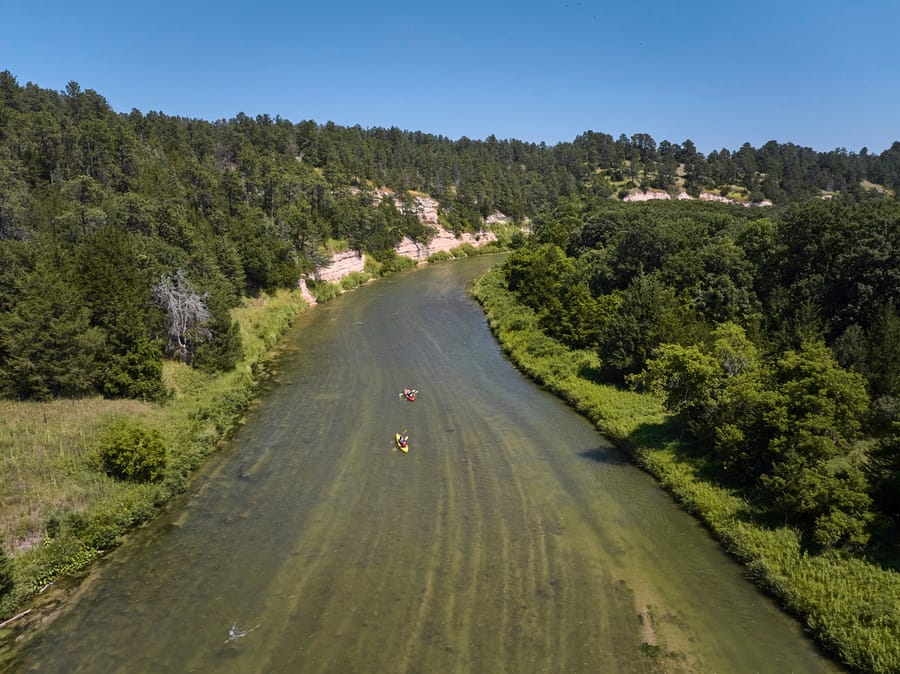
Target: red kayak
[{"x": 409, "y": 394}]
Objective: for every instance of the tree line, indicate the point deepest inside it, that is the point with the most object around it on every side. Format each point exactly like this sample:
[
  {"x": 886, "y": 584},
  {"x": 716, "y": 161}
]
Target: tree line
[
  {"x": 128, "y": 238},
  {"x": 773, "y": 336}
]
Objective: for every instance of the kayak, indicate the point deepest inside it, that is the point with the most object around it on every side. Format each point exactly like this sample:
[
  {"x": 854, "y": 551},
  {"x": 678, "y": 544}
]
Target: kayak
[
  {"x": 409, "y": 394},
  {"x": 402, "y": 447}
]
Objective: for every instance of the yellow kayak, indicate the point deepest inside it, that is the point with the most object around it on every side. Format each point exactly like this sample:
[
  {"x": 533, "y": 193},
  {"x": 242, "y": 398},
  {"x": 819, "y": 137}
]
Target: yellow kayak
[{"x": 402, "y": 443}]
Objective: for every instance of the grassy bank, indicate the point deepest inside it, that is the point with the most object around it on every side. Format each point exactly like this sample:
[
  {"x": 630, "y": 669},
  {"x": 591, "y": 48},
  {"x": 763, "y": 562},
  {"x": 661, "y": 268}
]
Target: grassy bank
[
  {"x": 59, "y": 510},
  {"x": 851, "y": 607}
]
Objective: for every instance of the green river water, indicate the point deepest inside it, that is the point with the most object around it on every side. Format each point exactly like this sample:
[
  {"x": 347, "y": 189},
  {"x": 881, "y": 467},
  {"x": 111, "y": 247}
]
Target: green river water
[{"x": 511, "y": 538}]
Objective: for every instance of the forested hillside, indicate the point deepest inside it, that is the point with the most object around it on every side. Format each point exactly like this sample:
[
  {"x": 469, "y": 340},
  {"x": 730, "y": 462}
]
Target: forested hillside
[{"x": 124, "y": 238}]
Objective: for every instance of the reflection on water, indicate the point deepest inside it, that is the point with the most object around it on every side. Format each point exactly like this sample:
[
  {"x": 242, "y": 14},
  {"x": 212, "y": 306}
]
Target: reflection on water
[{"x": 511, "y": 538}]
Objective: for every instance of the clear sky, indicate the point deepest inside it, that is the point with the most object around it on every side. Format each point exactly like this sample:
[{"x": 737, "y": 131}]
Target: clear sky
[{"x": 818, "y": 73}]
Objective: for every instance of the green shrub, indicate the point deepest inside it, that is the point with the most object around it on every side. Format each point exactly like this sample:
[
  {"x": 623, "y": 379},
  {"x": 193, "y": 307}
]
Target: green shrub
[
  {"x": 6, "y": 581},
  {"x": 353, "y": 280},
  {"x": 464, "y": 250},
  {"x": 439, "y": 256},
  {"x": 137, "y": 373},
  {"x": 323, "y": 291},
  {"x": 336, "y": 246},
  {"x": 492, "y": 247},
  {"x": 132, "y": 451},
  {"x": 395, "y": 263},
  {"x": 372, "y": 267},
  {"x": 517, "y": 240},
  {"x": 224, "y": 350}
]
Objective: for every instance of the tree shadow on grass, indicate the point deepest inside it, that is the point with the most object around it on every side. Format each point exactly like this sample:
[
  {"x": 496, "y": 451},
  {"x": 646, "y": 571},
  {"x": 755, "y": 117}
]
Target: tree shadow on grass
[
  {"x": 688, "y": 453},
  {"x": 597, "y": 376},
  {"x": 658, "y": 435},
  {"x": 887, "y": 555}
]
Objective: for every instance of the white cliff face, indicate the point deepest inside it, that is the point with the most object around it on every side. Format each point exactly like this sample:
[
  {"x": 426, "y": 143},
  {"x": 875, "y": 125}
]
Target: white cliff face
[
  {"x": 347, "y": 262},
  {"x": 341, "y": 265},
  {"x": 650, "y": 195},
  {"x": 443, "y": 240}
]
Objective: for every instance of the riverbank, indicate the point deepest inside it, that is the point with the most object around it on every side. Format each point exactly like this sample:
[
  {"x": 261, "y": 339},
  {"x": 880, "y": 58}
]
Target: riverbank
[
  {"x": 849, "y": 606},
  {"x": 60, "y": 512}
]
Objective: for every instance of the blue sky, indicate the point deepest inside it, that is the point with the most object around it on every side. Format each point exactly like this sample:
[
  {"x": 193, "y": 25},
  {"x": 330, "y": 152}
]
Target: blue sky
[{"x": 822, "y": 74}]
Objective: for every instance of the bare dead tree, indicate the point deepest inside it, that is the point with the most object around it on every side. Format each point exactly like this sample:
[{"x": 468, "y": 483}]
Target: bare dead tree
[{"x": 186, "y": 314}]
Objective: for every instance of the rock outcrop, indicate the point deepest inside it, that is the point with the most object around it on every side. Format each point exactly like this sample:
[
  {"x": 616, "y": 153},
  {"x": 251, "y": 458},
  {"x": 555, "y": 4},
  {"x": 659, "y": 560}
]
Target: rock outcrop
[
  {"x": 650, "y": 195},
  {"x": 347, "y": 262}
]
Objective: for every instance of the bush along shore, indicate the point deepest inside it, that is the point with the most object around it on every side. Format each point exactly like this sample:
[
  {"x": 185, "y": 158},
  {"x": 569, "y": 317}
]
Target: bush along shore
[{"x": 849, "y": 606}]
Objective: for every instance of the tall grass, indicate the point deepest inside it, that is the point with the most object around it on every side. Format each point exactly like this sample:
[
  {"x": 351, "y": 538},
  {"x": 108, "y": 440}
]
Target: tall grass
[
  {"x": 43, "y": 451},
  {"x": 354, "y": 279},
  {"x": 59, "y": 511},
  {"x": 336, "y": 246},
  {"x": 850, "y": 606},
  {"x": 505, "y": 232},
  {"x": 467, "y": 250},
  {"x": 323, "y": 291}
]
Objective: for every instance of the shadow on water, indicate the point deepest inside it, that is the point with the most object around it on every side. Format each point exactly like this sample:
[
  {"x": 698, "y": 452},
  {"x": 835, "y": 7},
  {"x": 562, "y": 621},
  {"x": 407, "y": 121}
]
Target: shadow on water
[{"x": 606, "y": 456}]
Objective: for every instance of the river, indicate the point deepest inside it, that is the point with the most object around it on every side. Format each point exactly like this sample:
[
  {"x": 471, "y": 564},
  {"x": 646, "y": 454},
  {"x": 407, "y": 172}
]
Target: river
[{"x": 511, "y": 538}]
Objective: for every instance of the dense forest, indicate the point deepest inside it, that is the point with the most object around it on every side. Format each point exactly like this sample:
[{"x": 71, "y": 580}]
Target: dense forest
[
  {"x": 125, "y": 238},
  {"x": 774, "y": 334}
]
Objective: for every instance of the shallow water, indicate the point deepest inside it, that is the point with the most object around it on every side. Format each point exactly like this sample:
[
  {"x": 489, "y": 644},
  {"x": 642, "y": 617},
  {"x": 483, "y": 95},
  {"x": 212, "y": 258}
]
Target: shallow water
[{"x": 511, "y": 538}]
